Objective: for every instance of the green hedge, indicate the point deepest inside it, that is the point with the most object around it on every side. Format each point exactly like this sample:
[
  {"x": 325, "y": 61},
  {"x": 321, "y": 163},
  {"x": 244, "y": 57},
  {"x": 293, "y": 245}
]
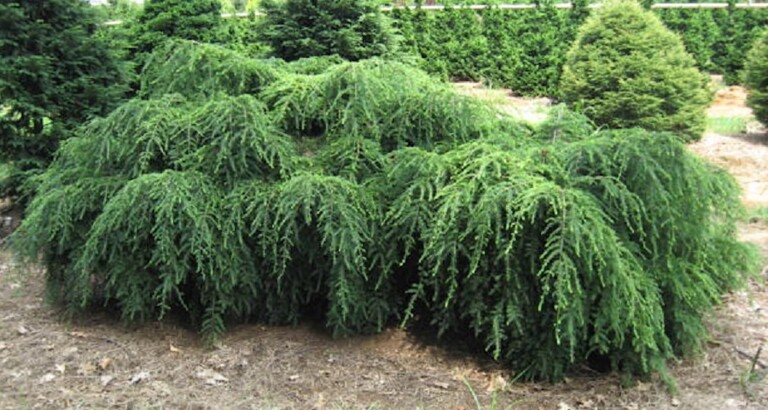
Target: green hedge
[
  {"x": 719, "y": 39},
  {"x": 369, "y": 194},
  {"x": 520, "y": 49},
  {"x": 524, "y": 49}
]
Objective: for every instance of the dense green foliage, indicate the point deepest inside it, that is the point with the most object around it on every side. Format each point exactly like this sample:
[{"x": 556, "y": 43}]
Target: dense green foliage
[
  {"x": 739, "y": 28},
  {"x": 187, "y": 19},
  {"x": 520, "y": 49},
  {"x": 366, "y": 193},
  {"x": 627, "y": 70},
  {"x": 200, "y": 71},
  {"x": 352, "y": 29},
  {"x": 756, "y": 78},
  {"x": 698, "y": 30},
  {"x": 54, "y": 74},
  {"x": 118, "y": 10},
  {"x": 242, "y": 34},
  {"x": 717, "y": 38}
]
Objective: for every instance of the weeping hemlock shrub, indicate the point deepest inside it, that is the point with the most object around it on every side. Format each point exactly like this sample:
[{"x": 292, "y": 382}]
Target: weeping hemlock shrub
[
  {"x": 369, "y": 194},
  {"x": 627, "y": 70},
  {"x": 199, "y": 71},
  {"x": 756, "y": 78}
]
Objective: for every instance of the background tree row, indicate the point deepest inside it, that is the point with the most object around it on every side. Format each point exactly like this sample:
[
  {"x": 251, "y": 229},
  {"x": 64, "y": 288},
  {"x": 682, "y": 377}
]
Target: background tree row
[{"x": 524, "y": 49}]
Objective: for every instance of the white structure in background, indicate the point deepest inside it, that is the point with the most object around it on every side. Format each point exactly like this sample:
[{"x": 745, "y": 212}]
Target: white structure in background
[{"x": 103, "y": 2}]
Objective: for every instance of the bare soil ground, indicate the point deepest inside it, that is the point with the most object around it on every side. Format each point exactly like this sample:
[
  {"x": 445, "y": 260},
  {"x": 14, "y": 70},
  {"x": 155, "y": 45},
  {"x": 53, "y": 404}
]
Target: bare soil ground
[{"x": 99, "y": 363}]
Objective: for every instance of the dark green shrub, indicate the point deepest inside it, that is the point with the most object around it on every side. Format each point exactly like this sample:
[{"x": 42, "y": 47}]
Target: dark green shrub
[
  {"x": 54, "y": 75},
  {"x": 371, "y": 193},
  {"x": 451, "y": 42},
  {"x": 186, "y": 19},
  {"x": 534, "y": 44},
  {"x": 227, "y": 196},
  {"x": 352, "y": 29},
  {"x": 756, "y": 78},
  {"x": 627, "y": 70}
]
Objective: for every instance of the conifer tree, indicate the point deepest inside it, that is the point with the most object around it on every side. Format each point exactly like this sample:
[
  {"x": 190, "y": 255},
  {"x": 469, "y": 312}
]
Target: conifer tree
[
  {"x": 54, "y": 75},
  {"x": 353, "y": 29},
  {"x": 187, "y": 19},
  {"x": 627, "y": 70},
  {"x": 756, "y": 78}
]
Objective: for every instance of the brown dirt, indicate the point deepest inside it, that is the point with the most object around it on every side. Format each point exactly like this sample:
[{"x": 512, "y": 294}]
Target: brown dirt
[
  {"x": 729, "y": 102},
  {"x": 745, "y": 156},
  {"x": 97, "y": 363}
]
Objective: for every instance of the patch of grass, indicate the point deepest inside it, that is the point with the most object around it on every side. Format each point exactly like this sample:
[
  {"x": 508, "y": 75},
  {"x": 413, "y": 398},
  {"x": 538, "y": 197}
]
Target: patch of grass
[
  {"x": 493, "y": 405},
  {"x": 5, "y": 170},
  {"x": 754, "y": 376},
  {"x": 727, "y": 125},
  {"x": 757, "y": 215}
]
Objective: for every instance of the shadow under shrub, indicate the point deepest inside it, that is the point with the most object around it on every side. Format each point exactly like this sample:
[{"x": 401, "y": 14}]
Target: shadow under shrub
[{"x": 369, "y": 194}]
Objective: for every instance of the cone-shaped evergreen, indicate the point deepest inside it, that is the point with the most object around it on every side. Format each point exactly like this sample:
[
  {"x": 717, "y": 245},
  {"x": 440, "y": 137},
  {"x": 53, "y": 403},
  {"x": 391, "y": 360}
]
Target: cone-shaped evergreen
[
  {"x": 370, "y": 194},
  {"x": 352, "y": 29},
  {"x": 185, "y": 19},
  {"x": 756, "y": 78},
  {"x": 627, "y": 70}
]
